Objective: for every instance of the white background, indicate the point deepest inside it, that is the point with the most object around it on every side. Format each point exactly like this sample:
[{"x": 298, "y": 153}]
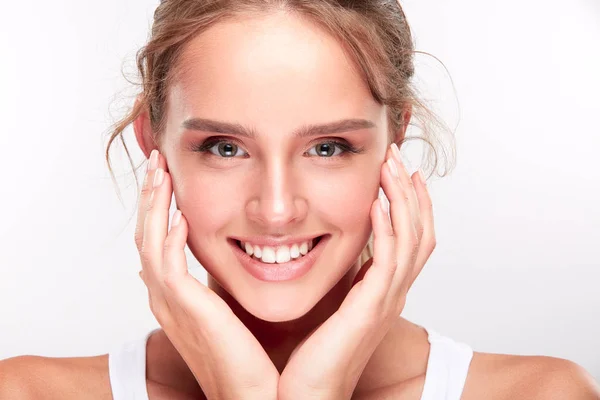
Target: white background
[{"x": 516, "y": 269}]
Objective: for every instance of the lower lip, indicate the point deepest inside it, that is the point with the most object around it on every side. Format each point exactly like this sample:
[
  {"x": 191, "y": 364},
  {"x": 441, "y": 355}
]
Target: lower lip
[{"x": 290, "y": 270}]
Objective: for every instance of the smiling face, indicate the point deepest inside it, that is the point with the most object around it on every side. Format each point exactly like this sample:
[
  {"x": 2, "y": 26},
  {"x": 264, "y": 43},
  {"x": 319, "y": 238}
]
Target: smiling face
[{"x": 273, "y": 75}]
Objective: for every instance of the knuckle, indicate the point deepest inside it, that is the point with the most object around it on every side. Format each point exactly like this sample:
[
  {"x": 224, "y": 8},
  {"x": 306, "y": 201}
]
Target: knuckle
[
  {"x": 420, "y": 231},
  {"x": 154, "y": 307},
  {"x": 139, "y": 239},
  {"x": 395, "y": 264},
  {"x": 170, "y": 281},
  {"x": 405, "y": 195},
  {"x": 146, "y": 189},
  {"x": 430, "y": 241},
  {"x": 149, "y": 208},
  {"x": 429, "y": 206},
  {"x": 413, "y": 245},
  {"x": 160, "y": 311},
  {"x": 150, "y": 203},
  {"x": 145, "y": 255},
  {"x": 414, "y": 251}
]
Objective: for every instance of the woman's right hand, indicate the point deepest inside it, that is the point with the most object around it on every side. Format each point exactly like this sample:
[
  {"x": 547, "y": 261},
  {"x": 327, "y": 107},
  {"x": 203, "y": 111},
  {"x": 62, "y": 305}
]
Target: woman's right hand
[{"x": 224, "y": 356}]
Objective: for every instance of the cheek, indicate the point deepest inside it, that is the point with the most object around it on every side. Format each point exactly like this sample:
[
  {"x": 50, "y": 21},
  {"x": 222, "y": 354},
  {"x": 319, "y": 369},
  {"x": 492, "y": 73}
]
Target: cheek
[
  {"x": 206, "y": 201},
  {"x": 348, "y": 199}
]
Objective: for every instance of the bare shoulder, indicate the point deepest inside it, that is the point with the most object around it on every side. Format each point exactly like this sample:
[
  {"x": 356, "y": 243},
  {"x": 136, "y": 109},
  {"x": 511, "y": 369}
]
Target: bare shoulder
[
  {"x": 504, "y": 377},
  {"x": 36, "y": 377}
]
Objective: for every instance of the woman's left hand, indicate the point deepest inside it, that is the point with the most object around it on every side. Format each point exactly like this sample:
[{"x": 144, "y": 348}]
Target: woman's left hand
[{"x": 328, "y": 363}]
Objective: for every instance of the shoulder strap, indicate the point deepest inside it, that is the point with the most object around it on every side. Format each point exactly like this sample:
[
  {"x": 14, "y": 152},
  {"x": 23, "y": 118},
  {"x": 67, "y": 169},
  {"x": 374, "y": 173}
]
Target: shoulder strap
[
  {"x": 447, "y": 368},
  {"x": 127, "y": 370}
]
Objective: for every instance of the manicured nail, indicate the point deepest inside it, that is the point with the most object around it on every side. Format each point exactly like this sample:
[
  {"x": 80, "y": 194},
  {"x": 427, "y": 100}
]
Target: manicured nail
[
  {"x": 153, "y": 163},
  {"x": 422, "y": 176},
  {"x": 176, "y": 218},
  {"x": 392, "y": 167},
  {"x": 158, "y": 177}
]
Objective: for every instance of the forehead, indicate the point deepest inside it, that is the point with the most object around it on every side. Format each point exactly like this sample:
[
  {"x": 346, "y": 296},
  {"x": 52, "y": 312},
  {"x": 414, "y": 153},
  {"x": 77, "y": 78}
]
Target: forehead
[{"x": 273, "y": 71}]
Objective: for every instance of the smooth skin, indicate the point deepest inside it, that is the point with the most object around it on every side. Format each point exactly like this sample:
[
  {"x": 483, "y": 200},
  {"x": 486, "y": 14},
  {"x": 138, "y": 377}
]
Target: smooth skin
[
  {"x": 225, "y": 357},
  {"x": 335, "y": 330}
]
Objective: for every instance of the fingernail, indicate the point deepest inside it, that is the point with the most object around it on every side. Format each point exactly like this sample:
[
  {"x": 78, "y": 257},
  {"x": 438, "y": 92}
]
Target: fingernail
[
  {"x": 176, "y": 218},
  {"x": 422, "y": 176},
  {"x": 392, "y": 167},
  {"x": 158, "y": 177},
  {"x": 153, "y": 163}
]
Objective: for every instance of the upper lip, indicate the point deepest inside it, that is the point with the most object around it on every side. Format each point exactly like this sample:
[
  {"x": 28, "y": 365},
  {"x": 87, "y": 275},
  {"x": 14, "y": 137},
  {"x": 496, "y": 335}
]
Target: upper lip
[{"x": 273, "y": 241}]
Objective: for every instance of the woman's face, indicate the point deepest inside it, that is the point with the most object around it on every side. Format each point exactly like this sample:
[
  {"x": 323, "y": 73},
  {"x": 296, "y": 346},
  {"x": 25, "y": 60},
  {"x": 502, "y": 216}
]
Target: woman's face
[{"x": 273, "y": 76}]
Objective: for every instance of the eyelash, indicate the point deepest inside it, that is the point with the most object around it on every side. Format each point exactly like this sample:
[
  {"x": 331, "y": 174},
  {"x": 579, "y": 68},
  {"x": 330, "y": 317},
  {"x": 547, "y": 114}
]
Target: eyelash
[{"x": 344, "y": 145}]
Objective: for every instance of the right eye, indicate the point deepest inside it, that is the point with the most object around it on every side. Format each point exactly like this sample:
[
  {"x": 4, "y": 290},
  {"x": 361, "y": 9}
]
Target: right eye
[{"x": 221, "y": 148}]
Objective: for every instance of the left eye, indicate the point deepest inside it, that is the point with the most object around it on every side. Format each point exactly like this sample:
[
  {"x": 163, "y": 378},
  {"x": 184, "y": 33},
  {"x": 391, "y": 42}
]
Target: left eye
[
  {"x": 328, "y": 149},
  {"x": 225, "y": 149}
]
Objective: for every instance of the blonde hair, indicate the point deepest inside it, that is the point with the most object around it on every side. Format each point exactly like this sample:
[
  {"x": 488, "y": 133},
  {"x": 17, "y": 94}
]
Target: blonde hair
[{"x": 374, "y": 33}]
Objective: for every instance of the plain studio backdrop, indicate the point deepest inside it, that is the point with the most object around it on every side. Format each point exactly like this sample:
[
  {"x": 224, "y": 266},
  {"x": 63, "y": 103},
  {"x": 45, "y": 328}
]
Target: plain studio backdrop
[{"x": 516, "y": 269}]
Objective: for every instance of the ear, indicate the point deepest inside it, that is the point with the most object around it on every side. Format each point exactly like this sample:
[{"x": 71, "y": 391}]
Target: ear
[
  {"x": 406, "y": 116},
  {"x": 143, "y": 130}
]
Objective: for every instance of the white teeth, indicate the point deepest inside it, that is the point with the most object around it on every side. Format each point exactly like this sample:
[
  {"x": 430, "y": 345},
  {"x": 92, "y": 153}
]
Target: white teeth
[
  {"x": 268, "y": 255},
  {"x": 249, "y": 249},
  {"x": 303, "y": 248},
  {"x": 281, "y": 254},
  {"x": 294, "y": 251}
]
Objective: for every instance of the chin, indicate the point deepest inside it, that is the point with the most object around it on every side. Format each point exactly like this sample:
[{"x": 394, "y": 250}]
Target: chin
[{"x": 279, "y": 307}]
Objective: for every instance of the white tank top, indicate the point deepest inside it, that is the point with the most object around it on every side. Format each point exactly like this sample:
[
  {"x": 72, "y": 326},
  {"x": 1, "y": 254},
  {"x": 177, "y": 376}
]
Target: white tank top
[{"x": 447, "y": 368}]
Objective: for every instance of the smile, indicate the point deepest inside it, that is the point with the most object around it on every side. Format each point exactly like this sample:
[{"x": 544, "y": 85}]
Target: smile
[
  {"x": 281, "y": 263},
  {"x": 280, "y": 254}
]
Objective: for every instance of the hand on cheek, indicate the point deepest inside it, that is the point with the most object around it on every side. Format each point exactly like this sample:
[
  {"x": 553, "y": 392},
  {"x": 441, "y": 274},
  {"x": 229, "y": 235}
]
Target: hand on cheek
[
  {"x": 222, "y": 353},
  {"x": 328, "y": 364}
]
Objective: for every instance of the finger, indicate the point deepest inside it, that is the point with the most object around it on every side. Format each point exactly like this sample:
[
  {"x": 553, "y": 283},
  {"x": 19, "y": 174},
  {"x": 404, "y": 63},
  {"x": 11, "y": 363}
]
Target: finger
[
  {"x": 379, "y": 276},
  {"x": 181, "y": 287},
  {"x": 144, "y": 197},
  {"x": 428, "y": 241},
  {"x": 408, "y": 185},
  {"x": 402, "y": 223},
  {"x": 156, "y": 222},
  {"x": 175, "y": 262}
]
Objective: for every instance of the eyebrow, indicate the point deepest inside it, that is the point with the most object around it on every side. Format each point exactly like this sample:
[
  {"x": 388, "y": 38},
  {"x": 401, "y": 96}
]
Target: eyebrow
[{"x": 345, "y": 125}]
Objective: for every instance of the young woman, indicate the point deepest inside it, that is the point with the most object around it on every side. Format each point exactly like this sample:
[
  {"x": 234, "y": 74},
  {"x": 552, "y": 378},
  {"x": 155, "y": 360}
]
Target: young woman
[{"x": 275, "y": 125}]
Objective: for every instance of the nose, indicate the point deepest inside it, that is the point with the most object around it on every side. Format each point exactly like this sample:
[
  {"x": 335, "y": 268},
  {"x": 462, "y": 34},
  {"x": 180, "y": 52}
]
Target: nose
[{"x": 276, "y": 202}]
